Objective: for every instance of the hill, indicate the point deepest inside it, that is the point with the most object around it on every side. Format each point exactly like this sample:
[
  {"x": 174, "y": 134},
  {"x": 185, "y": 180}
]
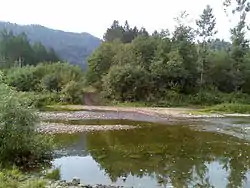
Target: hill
[{"x": 73, "y": 47}]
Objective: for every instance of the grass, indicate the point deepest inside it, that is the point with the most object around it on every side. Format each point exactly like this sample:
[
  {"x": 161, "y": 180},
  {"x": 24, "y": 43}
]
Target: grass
[
  {"x": 228, "y": 108},
  {"x": 54, "y": 174},
  {"x": 129, "y": 104},
  {"x": 13, "y": 178}
]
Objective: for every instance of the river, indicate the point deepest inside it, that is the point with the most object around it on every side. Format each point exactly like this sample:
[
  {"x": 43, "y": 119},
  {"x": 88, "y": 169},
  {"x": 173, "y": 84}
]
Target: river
[{"x": 212, "y": 152}]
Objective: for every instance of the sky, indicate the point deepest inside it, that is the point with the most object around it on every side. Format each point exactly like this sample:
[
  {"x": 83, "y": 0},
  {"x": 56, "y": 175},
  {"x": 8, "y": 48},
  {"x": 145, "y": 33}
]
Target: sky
[{"x": 95, "y": 16}]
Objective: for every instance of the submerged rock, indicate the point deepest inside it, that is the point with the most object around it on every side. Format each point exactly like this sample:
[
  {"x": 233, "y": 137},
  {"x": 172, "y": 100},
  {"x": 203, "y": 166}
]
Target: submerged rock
[{"x": 76, "y": 181}]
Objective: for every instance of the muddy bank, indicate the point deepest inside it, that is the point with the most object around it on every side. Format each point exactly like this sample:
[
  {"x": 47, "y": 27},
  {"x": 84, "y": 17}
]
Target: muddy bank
[{"x": 56, "y": 128}]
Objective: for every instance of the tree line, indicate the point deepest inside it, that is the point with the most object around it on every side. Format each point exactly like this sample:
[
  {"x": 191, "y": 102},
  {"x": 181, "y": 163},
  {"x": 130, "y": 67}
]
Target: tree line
[
  {"x": 17, "y": 50},
  {"x": 133, "y": 65}
]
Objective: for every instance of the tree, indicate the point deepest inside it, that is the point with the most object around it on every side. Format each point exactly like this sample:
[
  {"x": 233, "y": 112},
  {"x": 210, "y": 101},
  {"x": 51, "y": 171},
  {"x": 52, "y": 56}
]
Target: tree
[
  {"x": 183, "y": 44},
  {"x": 100, "y": 62},
  {"x": 126, "y": 83},
  {"x": 115, "y": 32},
  {"x": 145, "y": 47},
  {"x": 240, "y": 47},
  {"x": 206, "y": 29},
  {"x": 17, "y": 50},
  {"x": 125, "y": 33},
  {"x": 237, "y": 5}
]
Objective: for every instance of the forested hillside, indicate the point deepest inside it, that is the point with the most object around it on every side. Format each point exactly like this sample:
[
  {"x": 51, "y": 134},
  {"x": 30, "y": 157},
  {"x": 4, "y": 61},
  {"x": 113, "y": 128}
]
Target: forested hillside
[
  {"x": 72, "y": 47},
  {"x": 135, "y": 65}
]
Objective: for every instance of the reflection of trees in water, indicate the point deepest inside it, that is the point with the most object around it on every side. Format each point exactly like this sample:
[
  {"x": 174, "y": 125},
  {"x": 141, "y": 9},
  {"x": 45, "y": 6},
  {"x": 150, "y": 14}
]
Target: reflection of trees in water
[
  {"x": 176, "y": 155},
  {"x": 71, "y": 144}
]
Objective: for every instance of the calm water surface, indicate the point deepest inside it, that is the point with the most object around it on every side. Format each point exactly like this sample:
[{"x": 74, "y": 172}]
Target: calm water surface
[{"x": 214, "y": 153}]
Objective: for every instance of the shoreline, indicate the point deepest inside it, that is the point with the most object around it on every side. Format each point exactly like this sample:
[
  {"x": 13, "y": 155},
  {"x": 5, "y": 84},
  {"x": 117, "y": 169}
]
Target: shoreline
[
  {"x": 165, "y": 116},
  {"x": 78, "y": 111},
  {"x": 60, "y": 128}
]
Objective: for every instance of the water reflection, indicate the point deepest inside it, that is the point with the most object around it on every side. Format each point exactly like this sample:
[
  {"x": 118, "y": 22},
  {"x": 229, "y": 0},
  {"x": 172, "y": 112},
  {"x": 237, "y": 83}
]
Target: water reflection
[{"x": 156, "y": 156}]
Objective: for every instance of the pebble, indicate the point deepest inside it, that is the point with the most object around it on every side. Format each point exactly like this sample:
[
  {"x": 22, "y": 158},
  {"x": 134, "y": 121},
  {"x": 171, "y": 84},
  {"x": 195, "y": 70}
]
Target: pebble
[
  {"x": 54, "y": 128},
  {"x": 75, "y": 183}
]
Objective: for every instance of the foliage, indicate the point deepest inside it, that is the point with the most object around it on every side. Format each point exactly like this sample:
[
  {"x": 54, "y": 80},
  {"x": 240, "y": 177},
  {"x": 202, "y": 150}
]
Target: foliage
[
  {"x": 72, "y": 47},
  {"x": 187, "y": 66},
  {"x": 72, "y": 92},
  {"x": 17, "y": 50},
  {"x": 54, "y": 174},
  {"x": 123, "y": 33},
  {"x": 47, "y": 83},
  {"x": 19, "y": 142},
  {"x": 23, "y": 79},
  {"x": 126, "y": 83},
  {"x": 13, "y": 178}
]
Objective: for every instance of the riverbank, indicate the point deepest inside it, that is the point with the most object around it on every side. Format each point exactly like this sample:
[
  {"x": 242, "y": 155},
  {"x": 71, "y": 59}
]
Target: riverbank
[
  {"x": 104, "y": 118},
  {"x": 60, "y": 128},
  {"x": 79, "y": 111}
]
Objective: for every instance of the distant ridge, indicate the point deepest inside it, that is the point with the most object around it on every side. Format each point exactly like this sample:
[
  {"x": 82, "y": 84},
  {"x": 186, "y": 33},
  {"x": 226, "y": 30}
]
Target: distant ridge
[{"x": 70, "y": 46}]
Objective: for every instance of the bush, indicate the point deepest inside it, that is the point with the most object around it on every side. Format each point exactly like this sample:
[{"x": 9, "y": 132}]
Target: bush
[
  {"x": 51, "y": 82},
  {"x": 23, "y": 79},
  {"x": 72, "y": 92},
  {"x": 39, "y": 100},
  {"x": 47, "y": 83},
  {"x": 126, "y": 83},
  {"x": 20, "y": 144}
]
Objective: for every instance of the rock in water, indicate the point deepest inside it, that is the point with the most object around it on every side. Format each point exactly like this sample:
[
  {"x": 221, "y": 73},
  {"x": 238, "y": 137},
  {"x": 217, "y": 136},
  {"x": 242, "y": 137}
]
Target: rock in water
[{"x": 76, "y": 181}]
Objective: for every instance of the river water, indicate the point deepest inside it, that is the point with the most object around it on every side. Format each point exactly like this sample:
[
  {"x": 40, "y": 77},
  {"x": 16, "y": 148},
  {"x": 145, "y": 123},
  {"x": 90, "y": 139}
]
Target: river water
[{"x": 210, "y": 153}]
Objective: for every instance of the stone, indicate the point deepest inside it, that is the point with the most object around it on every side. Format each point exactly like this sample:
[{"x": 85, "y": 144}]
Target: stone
[
  {"x": 76, "y": 181},
  {"x": 82, "y": 186}
]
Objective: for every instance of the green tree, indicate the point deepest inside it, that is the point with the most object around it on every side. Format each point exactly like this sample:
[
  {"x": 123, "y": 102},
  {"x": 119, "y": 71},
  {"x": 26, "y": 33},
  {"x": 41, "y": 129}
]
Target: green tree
[
  {"x": 183, "y": 44},
  {"x": 115, "y": 32},
  {"x": 206, "y": 29},
  {"x": 126, "y": 83},
  {"x": 240, "y": 47},
  {"x": 145, "y": 47},
  {"x": 16, "y": 48},
  {"x": 100, "y": 62}
]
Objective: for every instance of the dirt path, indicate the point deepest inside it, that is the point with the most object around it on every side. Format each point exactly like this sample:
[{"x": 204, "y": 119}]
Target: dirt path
[{"x": 88, "y": 99}]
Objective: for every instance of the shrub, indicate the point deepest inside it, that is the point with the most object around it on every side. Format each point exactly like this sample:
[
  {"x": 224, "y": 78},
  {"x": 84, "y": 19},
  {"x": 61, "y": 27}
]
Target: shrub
[
  {"x": 126, "y": 83},
  {"x": 51, "y": 82},
  {"x": 23, "y": 79},
  {"x": 72, "y": 92},
  {"x": 20, "y": 144}
]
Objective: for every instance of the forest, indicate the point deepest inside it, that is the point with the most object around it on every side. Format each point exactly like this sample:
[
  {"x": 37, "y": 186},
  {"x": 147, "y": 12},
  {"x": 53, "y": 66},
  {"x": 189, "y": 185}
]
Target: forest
[{"x": 186, "y": 66}]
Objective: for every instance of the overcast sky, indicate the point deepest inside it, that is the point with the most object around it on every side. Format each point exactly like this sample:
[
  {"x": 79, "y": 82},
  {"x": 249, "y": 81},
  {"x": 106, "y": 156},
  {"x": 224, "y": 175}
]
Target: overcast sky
[{"x": 94, "y": 16}]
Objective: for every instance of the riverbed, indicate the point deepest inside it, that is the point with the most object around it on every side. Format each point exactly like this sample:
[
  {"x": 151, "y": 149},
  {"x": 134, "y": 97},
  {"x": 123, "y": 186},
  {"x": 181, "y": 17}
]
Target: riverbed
[{"x": 156, "y": 151}]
